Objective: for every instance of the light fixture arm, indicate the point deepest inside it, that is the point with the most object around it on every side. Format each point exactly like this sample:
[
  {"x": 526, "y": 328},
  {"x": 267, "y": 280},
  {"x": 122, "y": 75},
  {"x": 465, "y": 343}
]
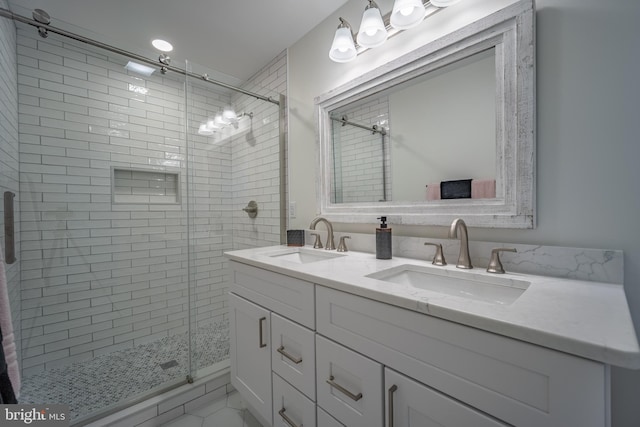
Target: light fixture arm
[
  {"x": 345, "y": 24},
  {"x": 372, "y": 4}
]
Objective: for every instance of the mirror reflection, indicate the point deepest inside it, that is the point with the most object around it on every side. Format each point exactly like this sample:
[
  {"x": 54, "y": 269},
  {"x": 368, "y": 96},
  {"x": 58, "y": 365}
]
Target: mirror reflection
[{"x": 430, "y": 138}]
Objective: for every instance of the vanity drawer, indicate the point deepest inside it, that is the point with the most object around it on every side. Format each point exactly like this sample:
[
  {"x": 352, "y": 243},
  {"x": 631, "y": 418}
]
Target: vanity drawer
[
  {"x": 290, "y": 407},
  {"x": 520, "y": 383},
  {"x": 349, "y": 385},
  {"x": 411, "y": 404},
  {"x": 326, "y": 420},
  {"x": 293, "y": 354},
  {"x": 287, "y": 296}
]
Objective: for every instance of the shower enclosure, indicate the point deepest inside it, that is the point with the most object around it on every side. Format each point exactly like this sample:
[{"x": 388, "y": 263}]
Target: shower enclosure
[{"x": 125, "y": 204}]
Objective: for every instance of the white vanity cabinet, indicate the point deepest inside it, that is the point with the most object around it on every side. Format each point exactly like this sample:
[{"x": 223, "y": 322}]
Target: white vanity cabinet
[
  {"x": 250, "y": 353},
  {"x": 333, "y": 358},
  {"x": 272, "y": 340},
  {"x": 290, "y": 407},
  {"x": 411, "y": 404},
  {"x": 515, "y": 382},
  {"x": 326, "y": 420},
  {"x": 349, "y": 385}
]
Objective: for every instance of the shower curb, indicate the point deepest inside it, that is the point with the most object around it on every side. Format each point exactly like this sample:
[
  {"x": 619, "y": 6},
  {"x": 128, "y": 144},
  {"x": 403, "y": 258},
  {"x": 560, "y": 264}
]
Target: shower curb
[{"x": 167, "y": 406}]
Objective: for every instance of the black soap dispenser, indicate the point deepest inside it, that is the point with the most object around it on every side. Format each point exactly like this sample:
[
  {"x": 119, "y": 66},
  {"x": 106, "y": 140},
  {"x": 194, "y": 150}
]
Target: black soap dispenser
[{"x": 383, "y": 240}]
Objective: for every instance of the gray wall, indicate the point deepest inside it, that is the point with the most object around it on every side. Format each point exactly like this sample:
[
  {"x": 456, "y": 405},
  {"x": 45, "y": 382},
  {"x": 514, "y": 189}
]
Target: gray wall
[{"x": 587, "y": 133}]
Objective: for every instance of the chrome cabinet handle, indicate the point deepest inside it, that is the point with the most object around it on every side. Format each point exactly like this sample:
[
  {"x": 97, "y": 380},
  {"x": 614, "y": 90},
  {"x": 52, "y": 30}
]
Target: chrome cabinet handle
[
  {"x": 296, "y": 360},
  {"x": 334, "y": 384},
  {"x": 287, "y": 419},
  {"x": 392, "y": 389},
  {"x": 262, "y": 344}
]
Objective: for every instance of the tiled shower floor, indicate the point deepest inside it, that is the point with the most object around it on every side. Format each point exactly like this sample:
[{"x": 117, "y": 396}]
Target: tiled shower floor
[{"x": 88, "y": 387}]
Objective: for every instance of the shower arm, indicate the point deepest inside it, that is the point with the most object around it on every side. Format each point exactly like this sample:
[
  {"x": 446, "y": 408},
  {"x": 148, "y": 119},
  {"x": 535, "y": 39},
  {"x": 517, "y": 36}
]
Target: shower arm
[{"x": 44, "y": 28}]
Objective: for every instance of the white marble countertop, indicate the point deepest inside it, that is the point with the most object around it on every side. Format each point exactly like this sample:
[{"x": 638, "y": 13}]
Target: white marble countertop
[{"x": 587, "y": 319}]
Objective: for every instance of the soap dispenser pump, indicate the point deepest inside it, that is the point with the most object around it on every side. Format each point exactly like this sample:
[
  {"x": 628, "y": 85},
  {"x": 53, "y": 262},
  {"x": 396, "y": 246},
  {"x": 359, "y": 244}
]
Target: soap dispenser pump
[{"x": 383, "y": 240}]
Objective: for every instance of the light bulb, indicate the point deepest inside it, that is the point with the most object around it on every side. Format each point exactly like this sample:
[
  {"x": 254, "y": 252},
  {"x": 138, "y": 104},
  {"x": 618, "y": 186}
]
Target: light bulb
[
  {"x": 219, "y": 121},
  {"x": 406, "y": 11},
  {"x": 229, "y": 115},
  {"x": 407, "y": 14},
  {"x": 373, "y": 32},
  {"x": 204, "y": 130},
  {"x": 343, "y": 49},
  {"x": 212, "y": 125}
]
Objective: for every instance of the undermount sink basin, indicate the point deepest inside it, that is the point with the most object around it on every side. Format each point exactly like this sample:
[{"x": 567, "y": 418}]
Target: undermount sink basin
[
  {"x": 465, "y": 284},
  {"x": 302, "y": 255}
]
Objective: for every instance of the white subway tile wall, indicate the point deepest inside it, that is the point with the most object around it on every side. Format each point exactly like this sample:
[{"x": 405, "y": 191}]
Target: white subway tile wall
[
  {"x": 359, "y": 160},
  {"x": 99, "y": 276},
  {"x": 256, "y": 160},
  {"x": 9, "y": 166}
]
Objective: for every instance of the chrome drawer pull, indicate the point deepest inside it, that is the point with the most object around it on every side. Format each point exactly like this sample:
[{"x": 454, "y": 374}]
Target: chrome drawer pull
[
  {"x": 262, "y": 319},
  {"x": 352, "y": 396},
  {"x": 287, "y": 419},
  {"x": 295, "y": 360},
  {"x": 392, "y": 389}
]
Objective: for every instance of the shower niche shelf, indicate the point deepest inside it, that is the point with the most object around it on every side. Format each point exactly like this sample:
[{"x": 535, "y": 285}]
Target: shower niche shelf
[{"x": 137, "y": 186}]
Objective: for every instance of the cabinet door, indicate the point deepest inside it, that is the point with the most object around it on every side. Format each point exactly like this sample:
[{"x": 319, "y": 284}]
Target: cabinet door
[
  {"x": 250, "y": 354},
  {"x": 290, "y": 407},
  {"x": 326, "y": 420},
  {"x": 520, "y": 383},
  {"x": 411, "y": 404},
  {"x": 293, "y": 354},
  {"x": 349, "y": 385}
]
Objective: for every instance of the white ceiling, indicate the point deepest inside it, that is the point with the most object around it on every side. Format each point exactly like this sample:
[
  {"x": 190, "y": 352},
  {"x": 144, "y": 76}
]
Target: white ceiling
[{"x": 234, "y": 37}]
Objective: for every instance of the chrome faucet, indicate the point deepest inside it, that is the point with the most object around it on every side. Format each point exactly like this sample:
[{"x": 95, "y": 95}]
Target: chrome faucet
[
  {"x": 464, "y": 260},
  {"x": 330, "y": 242}
]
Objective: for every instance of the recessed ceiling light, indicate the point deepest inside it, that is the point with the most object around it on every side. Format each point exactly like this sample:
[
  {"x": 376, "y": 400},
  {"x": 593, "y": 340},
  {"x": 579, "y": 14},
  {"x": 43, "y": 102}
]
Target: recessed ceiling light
[{"x": 162, "y": 45}]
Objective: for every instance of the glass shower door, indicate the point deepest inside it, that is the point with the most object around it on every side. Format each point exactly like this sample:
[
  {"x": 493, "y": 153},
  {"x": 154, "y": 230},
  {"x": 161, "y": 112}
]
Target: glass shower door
[
  {"x": 103, "y": 202},
  {"x": 234, "y": 152}
]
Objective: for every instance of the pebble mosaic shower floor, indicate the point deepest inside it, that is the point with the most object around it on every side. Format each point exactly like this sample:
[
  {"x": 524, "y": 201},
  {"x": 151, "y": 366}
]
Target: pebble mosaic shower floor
[{"x": 90, "y": 386}]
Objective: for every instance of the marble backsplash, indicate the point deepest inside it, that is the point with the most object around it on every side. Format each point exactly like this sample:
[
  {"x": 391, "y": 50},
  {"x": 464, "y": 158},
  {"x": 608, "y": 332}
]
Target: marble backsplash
[{"x": 595, "y": 265}]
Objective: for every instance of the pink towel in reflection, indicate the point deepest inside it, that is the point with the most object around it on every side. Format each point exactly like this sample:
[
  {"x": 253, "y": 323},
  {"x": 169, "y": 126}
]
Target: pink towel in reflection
[
  {"x": 483, "y": 189},
  {"x": 8, "y": 339},
  {"x": 433, "y": 191}
]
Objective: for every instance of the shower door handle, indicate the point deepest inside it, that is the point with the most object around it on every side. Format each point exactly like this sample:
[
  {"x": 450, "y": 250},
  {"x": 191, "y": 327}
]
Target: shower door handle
[
  {"x": 9, "y": 228},
  {"x": 260, "y": 322}
]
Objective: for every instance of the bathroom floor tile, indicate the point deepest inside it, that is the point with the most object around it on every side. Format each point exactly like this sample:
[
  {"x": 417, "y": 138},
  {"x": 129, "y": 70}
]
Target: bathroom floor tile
[
  {"x": 185, "y": 421},
  {"x": 227, "y": 417},
  {"x": 93, "y": 385},
  {"x": 228, "y": 411}
]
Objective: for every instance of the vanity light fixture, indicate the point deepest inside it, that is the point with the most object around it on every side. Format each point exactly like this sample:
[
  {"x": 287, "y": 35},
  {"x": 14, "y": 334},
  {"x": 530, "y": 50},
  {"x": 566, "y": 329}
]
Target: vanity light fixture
[
  {"x": 343, "y": 48},
  {"x": 219, "y": 122},
  {"x": 373, "y": 32},
  {"x": 375, "y": 29}
]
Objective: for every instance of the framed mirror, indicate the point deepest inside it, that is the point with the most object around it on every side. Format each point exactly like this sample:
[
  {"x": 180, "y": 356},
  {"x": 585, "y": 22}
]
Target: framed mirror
[{"x": 445, "y": 131}]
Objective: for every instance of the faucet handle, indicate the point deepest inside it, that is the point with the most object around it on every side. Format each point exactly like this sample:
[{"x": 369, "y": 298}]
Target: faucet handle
[
  {"x": 342, "y": 246},
  {"x": 495, "y": 266},
  {"x": 318, "y": 243},
  {"x": 438, "y": 258}
]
